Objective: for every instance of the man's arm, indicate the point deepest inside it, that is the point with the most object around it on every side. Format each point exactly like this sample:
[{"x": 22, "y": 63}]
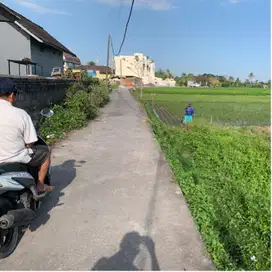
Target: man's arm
[{"x": 29, "y": 132}]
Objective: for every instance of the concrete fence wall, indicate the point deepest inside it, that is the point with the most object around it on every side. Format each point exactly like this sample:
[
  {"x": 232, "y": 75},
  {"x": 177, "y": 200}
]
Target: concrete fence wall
[{"x": 34, "y": 94}]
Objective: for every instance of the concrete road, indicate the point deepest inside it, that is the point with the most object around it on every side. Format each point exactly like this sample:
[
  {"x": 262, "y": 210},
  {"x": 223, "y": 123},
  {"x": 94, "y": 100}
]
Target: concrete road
[{"x": 115, "y": 205}]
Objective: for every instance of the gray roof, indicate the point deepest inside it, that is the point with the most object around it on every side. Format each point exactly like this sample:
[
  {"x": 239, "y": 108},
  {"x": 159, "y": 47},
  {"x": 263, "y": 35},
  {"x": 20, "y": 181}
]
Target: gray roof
[{"x": 35, "y": 29}]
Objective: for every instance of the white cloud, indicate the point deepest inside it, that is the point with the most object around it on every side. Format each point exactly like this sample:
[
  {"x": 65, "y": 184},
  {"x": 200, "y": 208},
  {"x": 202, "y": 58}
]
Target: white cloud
[
  {"x": 153, "y": 4},
  {"x": 38, "y": 8}
]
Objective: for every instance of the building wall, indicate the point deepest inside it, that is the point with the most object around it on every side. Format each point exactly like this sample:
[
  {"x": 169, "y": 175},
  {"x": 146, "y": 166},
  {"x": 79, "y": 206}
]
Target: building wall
[
  {"x": 14, "y": 44},
  {"x": 34, "y": 94},
  {"x": 46, "y": 56},
  {"x": 137, "y": 65},
  {"x": 101, "y": 76},
  {"x": 69, "y": 65}
]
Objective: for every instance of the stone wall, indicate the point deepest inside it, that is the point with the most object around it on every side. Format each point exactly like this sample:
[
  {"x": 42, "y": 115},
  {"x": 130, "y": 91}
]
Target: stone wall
[{"x": 34, "y": 94}]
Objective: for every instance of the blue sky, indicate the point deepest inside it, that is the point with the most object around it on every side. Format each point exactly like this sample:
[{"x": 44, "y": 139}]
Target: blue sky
[{"x": 228, "y": 37}]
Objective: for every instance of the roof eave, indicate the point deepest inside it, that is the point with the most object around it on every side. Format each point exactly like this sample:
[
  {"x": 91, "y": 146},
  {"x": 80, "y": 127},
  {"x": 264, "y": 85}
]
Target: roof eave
[
  {"x": 7, "y": 16},
  {"x": 28, "y": 32},
  {"x": 40, "y": 40}
]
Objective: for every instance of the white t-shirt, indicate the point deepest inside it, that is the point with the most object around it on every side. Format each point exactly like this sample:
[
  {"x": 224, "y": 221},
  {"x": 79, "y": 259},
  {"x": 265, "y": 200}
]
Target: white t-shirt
[{"x": 16, "y": 130}]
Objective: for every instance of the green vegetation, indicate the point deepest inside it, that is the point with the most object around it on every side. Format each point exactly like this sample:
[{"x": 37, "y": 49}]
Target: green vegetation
[
  {"x": 114, "y": 86},
  {"x": 244, "y": 106},
  {"x": 82, "y": 103},
  {"x": 223, "y": 171},
  {"x": 210, "y": 91},
  {"x": 91, "y": 63},
  {"x": 214, "y": 80}
]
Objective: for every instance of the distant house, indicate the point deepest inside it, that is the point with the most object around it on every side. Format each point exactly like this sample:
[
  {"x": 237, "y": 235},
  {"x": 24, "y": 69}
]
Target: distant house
[
  {"x": 168, "y": 82},
  {"x": 202, "y": 80},
  {"x": 70, "y": 61},
  {"x": 97, "y": 71},
  {"x": 193, "y": 84},
  {"x": 25, "y": 47}
]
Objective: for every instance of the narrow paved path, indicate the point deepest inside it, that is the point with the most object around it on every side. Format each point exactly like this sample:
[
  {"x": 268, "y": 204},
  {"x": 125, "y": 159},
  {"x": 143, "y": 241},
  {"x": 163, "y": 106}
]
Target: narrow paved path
[{"x": 115, "y": 205}]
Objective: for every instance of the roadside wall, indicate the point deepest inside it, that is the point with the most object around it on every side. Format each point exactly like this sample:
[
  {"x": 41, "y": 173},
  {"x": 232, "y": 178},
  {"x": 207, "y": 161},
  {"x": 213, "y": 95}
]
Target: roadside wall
[
  {"x": 34, "y": 94},
  {"x": 130, "y": 81}
]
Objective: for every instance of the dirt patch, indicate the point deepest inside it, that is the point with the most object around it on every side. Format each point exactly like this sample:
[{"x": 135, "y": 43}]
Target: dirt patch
[{"x": 265, "y": 129}]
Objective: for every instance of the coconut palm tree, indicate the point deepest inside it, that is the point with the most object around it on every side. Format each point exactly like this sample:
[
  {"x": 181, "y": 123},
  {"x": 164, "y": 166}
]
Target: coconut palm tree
[
  {"x": 170, "y": 75},
  {"x": 183, "y": 79},
  {"x": 190, "y": 76},
  {"x": 247, "y": 82},
  {"x": 251, "y": 76},
  {"x": 237, "y": 82},
  {"x": 231, "y": 79}
]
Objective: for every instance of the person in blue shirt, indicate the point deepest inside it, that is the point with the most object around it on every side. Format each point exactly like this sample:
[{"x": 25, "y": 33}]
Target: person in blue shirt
[{"x": 189, "y": 112}]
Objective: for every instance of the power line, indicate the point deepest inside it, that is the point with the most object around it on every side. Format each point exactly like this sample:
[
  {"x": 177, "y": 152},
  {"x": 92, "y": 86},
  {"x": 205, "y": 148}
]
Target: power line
[{"x": 126, "y": 28}]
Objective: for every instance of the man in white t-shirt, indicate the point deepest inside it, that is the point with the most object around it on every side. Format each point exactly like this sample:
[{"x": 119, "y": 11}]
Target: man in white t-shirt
[{"x": 17, "y": 135}]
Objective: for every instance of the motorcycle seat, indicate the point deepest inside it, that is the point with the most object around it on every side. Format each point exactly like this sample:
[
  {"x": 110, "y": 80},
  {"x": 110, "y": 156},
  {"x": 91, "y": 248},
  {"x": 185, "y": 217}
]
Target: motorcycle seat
[
  {"x": 18, "y": 167},
  {"x": 13, "y": 167}
]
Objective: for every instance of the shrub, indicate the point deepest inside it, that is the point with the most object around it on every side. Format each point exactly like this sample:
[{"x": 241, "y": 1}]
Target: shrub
[
  {"x": 82, "y": 101},
  {"x": 100, "y": 96},
  {"x": 62, "y": 121}
]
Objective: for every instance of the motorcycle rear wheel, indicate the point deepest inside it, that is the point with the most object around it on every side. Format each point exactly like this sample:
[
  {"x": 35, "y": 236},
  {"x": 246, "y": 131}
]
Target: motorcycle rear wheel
[
  {"x": 8, "y": 238},
  {"x": 8, "y": 241}
]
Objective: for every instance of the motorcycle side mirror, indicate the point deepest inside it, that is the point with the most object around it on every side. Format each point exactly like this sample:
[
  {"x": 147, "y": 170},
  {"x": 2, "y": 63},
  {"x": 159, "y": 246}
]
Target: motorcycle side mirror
[{"x": 46, "y": 112}]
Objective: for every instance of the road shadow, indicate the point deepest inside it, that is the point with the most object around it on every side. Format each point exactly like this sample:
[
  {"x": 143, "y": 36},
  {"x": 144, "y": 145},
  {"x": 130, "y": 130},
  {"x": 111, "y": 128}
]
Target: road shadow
[
  {"x": 131, "y": 246},
  {"x": 62, "y": 175}
]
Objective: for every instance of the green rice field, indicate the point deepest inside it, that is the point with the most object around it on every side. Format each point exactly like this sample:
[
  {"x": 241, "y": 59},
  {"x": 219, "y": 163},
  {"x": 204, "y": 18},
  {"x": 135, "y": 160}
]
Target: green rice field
[
  {"x": 222, "y": 165},
  {"x": 238, "y": 107}
]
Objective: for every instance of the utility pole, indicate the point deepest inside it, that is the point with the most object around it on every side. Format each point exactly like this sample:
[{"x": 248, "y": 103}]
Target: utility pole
[{"x": 108, "y": 60}]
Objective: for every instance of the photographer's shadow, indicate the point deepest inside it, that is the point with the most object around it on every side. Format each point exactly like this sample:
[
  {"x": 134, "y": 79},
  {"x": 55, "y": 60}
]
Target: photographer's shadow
[
  {"x": 124, "y": 259},
  {"x": 62, "y": 175}
]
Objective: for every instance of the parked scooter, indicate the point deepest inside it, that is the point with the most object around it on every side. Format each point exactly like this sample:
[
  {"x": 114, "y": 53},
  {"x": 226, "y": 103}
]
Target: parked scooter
[{"x": 19, "y": 199}]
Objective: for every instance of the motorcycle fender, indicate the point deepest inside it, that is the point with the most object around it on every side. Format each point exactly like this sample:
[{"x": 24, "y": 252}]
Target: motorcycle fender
[{"x": 8, "y": 184}]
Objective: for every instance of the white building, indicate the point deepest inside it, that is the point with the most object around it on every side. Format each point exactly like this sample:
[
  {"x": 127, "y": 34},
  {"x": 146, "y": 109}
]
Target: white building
[
  {"x": 168, "y": 82},
  {"x": 138, "y": 66}
]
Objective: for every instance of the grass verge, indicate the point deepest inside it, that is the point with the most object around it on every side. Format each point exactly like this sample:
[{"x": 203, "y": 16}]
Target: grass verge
[{"x": 224, "y": 174}]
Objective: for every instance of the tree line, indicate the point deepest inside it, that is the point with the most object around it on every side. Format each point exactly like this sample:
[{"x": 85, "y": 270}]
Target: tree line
[{"x": 213, "y": 80}]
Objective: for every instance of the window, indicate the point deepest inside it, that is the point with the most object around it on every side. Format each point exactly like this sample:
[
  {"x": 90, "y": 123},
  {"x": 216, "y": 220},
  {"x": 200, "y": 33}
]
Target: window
[{"x": 42, "y": 48}]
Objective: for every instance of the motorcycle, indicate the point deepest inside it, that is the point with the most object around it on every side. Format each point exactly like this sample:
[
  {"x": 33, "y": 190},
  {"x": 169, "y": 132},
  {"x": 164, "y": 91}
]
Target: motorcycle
[{"x": 19, "y": 199}]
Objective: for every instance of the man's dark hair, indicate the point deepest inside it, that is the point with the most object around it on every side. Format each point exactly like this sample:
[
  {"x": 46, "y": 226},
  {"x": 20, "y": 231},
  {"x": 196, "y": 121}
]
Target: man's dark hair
[
  {"x": 7, "y": 94},
  {"x": 7, "y": 87}
]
